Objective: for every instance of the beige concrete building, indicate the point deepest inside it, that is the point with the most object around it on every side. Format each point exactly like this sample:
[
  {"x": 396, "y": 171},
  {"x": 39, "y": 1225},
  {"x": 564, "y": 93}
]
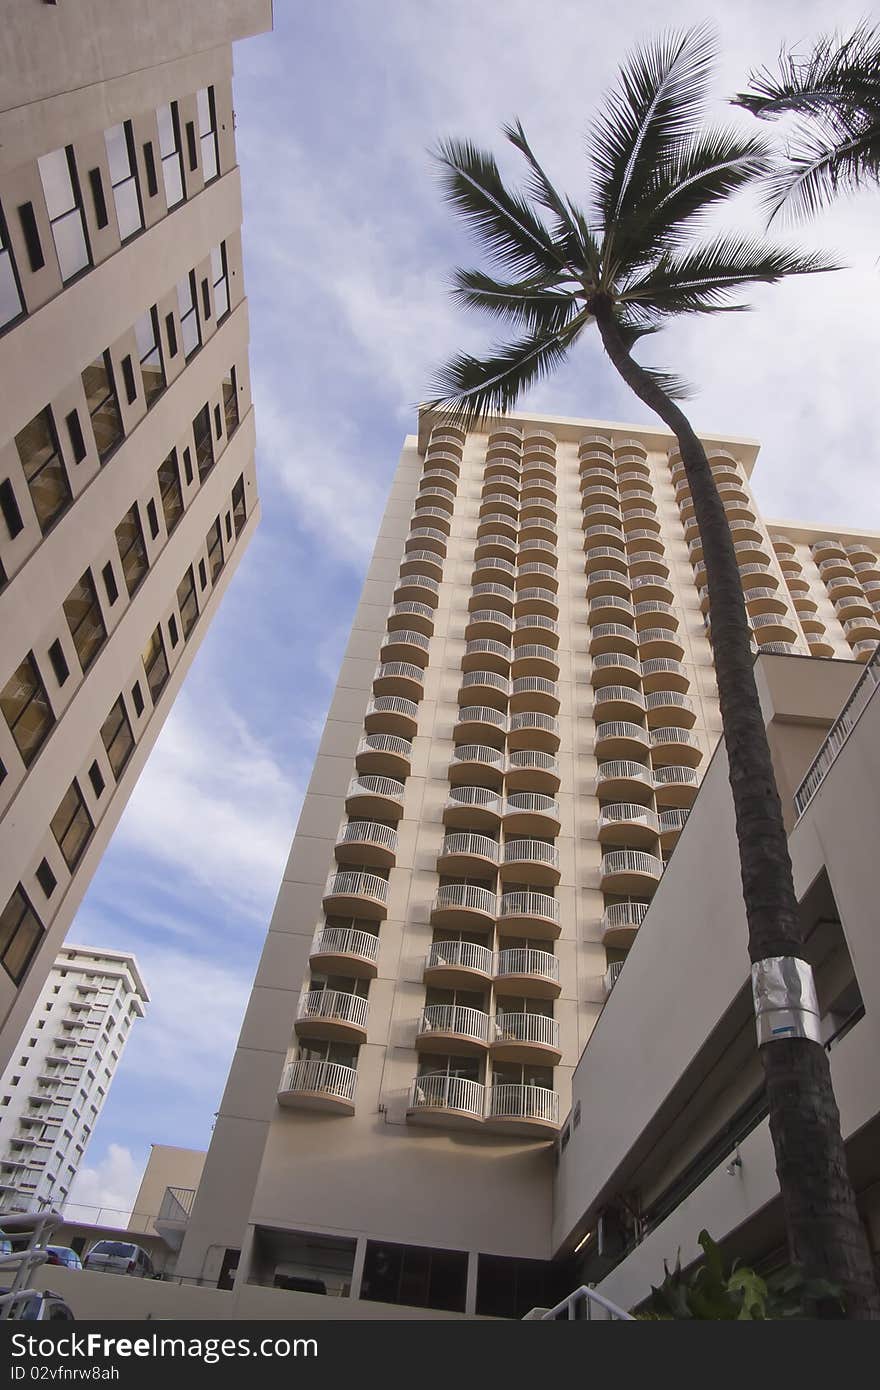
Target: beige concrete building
[
  {"x": 523, "y": 717},
  {"x": 127, "y": 487}
]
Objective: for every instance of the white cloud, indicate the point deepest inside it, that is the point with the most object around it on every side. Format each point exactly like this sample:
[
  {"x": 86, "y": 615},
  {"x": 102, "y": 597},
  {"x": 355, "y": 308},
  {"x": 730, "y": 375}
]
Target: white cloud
[{"x": 111, "y": 1184}]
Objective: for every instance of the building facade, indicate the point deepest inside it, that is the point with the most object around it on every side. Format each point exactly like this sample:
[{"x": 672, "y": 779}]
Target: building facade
[
  {"x": 127, "y": 486},
  {"x": 523, "y": 717},
  {"x": 56, "y": 1083}
]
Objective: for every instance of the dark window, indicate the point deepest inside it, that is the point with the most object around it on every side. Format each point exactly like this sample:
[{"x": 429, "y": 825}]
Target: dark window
[
  {"x": 128, "y": 379},
  {"x": 172, "y": 630},
  {"x": 187, "y": 467},
  {"x": 40, "y": 456},
  {"x": 150, "y": 166},
  {"x": 203, "y": 574},
  {"x": 26, "y": 709},
  {"x": 64, "y": 205},
  {"x": 100, "y": 390},
  {"x": 169, "y": 153},
  {"x": 191, "y": 145},
  {"x": 414, "y": 1276},
  {"x": 239, "y": 513},
  {"x": 132, "y": 550},
  {"x": 187, "y": 602},
  {"x": 11, "y": 305},
  {"x": 45, "y": 877},
  {"x": 96, "y": 779},
  {"x": 218, "y": 422},
  {"x": 110, "y": 584},
  {"x": 510, "y": 1288},
  {"x": 152, "y": 518},
  {"x": 31, "y": 233},
  {"x": 220, "y": 279},
  {"x": 74, "y": 430},
  {"x": 137, "y": 698},
  {"x": 204, "y": 445},
  {"x": 119, "y": 140},
  {"x": 230, "y": 401},
  {"x": 59, "y": 662},
  {"x": 214, "y": 542},
  {"x": 10, "y": 509},
  {"x": 229, "y": 526},
  {"x": 117, "y": 737},
  {"x": 83, "y": 614},
  {"x": 155, "y": 663},
  {"x": 97, "y": 186},
  {"x": 146, "y": 331},
  {"x": 190, "y": 331},
  {"x": 72, "y": 825},
  {"x": 20, "y": 934},
  {"x": 206, "y": 300},
  {"x": 171, "y": 333},
  {"x": 207, "y": 132},
  {"x": 170, "y": 491}
]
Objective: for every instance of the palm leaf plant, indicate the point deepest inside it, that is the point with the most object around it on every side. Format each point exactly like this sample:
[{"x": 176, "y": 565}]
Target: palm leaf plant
[
  {"x": 833, "y": 91},
  {"x": 627, "y": 266}
]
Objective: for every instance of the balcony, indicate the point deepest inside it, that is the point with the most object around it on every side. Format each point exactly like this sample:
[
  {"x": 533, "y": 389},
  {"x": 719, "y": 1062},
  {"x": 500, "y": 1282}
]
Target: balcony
[
  {"x": 489, "y": 622},
  {"x": 862, "y": 628},
  {"x": 443, "y": 459},
  {"x": 479, "y": 723},
  {"x": 845, "y": 587},
  {"x": 609, "y": 668},
  {"x": 417, "y": 587},
  {"x": 434, "y": 518},
  {"x": 538, "y": 499},
  {"x": 643, "y": 546},
  {"x": 672, "y": 823},
  {"x": 536, "y": 602},
  {"x": 535, "y": 693},
  {"x": 625, "y": 780},
  {"x": 485, "y": 652},
  {"x": 599, "y": 491},
  {"x": 473, "y": 808},
  {"x": 618, "y": 702},
  {"x": 853, "y": 606},
  {"x": 530, "y": 860},
  {"x": 500, "y": 523},
  {"x": 532, "y": 729},
  {"x": 820, "y": 646},
  {"x": 316, "y": 1085},
  {"x": 464, "y": 906},
  {"x": 867, "y": 569},
  {"x": 399, "y": 678},
  {"x": 426, "y": 538},
  {"x": 529, "y": 769},
  {"x": 828, "y": 548},
  {"x": 375, "y": 796},
  {"x": 612, "y": 974},
  {"x": 621, "y": 921},
  {"x": 610, "y": 608},
  {"x": 669, "y": 707},
  {"x": 345, "y": 951},
  {"x": 594, "y": 472},
  {"x": 527, "y": 1038},
  {"x": 476, "y": 764},
  {"x": 532, "y": 1110},
  {"x": 537, "y": 528},
  {"x": 761, "y": 600},
  {"x": 406, "y": 645},
  {"x": 654, "y": 612},
  {"x": 630, "y": 871},
  {"x": 453, "y": 1028},
  {"x": 660, "y": 641},
  {"x": 639, "y": 520},
  {"x": 501, "y": 596},
  {"x": 367, "y": 842},
  {"x": 619, "y": 739},
  {"x": 860, "y": 550},
  {"x": 535, "y": 550},
  {"x": 652, "y": 585},
  {"x": 531, "y": 813},
  {"x": 676, "y": 785},
  {"x": 591, "y": 443},
  {"x": 628, "y": 823},
  {"x": 863, "y": 651},
  {"x": 501, "y": 501},
  {"x": 534, "y": 572},
  {"x": 489, "y": 568},
  {"x": 495, "y": 547},
  {"x": 529, "y": 914},
  {"x": 503, "y": 463},
  {"x": 412, "y": 614},
  {"x": 392, "y": 714},
  {"x": 355, "y": 894},
  {"x": 388, "y": 755},
  {"x": 332, "y": 1014},
  {"x": 673, "y": 744},
  {"x": 608, "y": 583},
  {"x": 605, "y": 557},
  {"x": 533, "y": 974},
  {"x": 613, "y": 637},
  {"x": 466, "y": 854},
  {"x": 458, "y": 965},
  {"x": 447, "y": 1101}
]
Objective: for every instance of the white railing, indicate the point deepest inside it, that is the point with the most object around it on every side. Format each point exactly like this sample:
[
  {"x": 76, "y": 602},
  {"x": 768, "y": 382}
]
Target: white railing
[
  {"x": 386, "y": 743},
  {"x": 411, "y": 608},
  {"x": 465, "y": 842},
  {"x": 457, "y": 1019},
  {"x": 336, "y": 1004},
  {"x": 376, "y": 786},
  {"x": 495, "y": 519},
  {"x": 467, "y": 896},
  {"x": 605, "y": 552},
  {"x": 405, "y": 670},
  {"x": 497, "y": 590},
  {"x": 602, "y": 509},
  {"x": 622, "y": 768},
  {"x": 508, "y": 1101},
  {"x": 740, "y": 547},
  {"x": 619, "y": 659},
  {"x": 534, "y": 685},
  {"x": 483, "y": 541},
  {"x": 421, "y": 581},
  {"x": 838, "y": 734},
  {"x": 530, "y": 852},
  {"x": 865, "y": 647},
  {"x": 674, "y": 733},
  {"x": 548, "y": 546},
  {"x": 658, "y": 634},
  {"x": 495, "y": 562},
  {"x": 527, "y": 904},
  {"x": 322, "y": 1078},
  {"x": 448, "y": 473},
  {"x": 483, "y": 797},
  {"x": 537, "y": 651},
  {"x": 439, "y": 1091},
  {"x": 621, "y": 728},
  {"x": 428, "y": 533},
  {"x": 367, "y": 832},
  {"x": 531, "y": 801},
  {"x": 631, "y": 861},
  {"x": 665, "y": 665},
  {"x": 626, "y": 693},
  {"x": 530, "y": 620},
  {"x": 433, "y": 454},
  {"x": 618, "y": 915},
  {"x": 611, "y": 974},
  {"x": 406, "y": 637},
  {"x": 352, "y": 883},
  {"x": 600, "y": 601},
  {"x": 463, "y": 955},
  {"x": 393, "y": 704},
  {"x": 532, "y": 759},
  {"x": 487, "y": 646},
  {"x": 477, "y": 753},
  {"x": 481, "y": 714},
  {"x": 676, "y": 776},
  {"x": 628, "y": 813},
  {"x": 345, "y": 941},
  {"x": 673, "y": 820},
  {"x": 534, "y": 719},
  {"x": 642, "y": 512},
  {"x": 771, "y": 620},
  {"x": 643, "y": 536},
  {"x": 526, "y": 1028},
  {"x": 602, "y": 630},
  {"x": 635, "y": 495},
  {"x": 655, "y": 605},
  {"x": 826, "y": 566},
  {"x": 522, "y": 960},
  {"x": 607, "y": 577},
  {"x": 422, "y": 513},
  {"x": 859, "y": 624},
  {"x": 537, "y": 567},
  {"x": 658, "y": 699}
]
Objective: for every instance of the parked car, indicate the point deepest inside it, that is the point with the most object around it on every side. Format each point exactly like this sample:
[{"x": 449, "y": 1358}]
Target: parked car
[
  {"x": 44, "y": 1307},
  {"x": 63, "y": 1255},
  {"x": 118, "y": 1257}
]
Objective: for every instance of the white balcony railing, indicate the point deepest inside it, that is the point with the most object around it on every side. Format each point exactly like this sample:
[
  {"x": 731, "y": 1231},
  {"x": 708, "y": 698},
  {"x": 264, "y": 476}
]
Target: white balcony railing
[
  {"x": 631, "y": 861},
  {"x": 524, "y": 904},
  {"x": 439, "y": 1091},
  {"x": 840, "y": 731},
  {"x": 628, "y": 813},
  {"x": 483, "y": 797},
  {"x": 334, "y": 1004},
  {"x": 345, "y": 941},
  {"x": 367, "y": 832},
  {"x": 675, "y": 776},
  {"x": 509, "y": 1101},
  {"x": 532, "y": 759},
  {"x": 623, "y": 915},
  {"x": 376, "y": 786},
  {"x": 519, "y": 1027},
  {"x": 522, "y": 960},
  {"x": 477, "y": 753},
  {"x": 481, "y": 714},
  {"x": 386, "y": 743},
  {"x": 622, "y": 769},
  {"x": 393, "y": 704},
  {"x": 331, "y": 1079},
  {"x": 537, "y": 802},
  {"x": 455, "y": 1018},
  {"x": 465, "y": 843},
  {"x": 351, "y": 884},
  {"x": 463, "y": 955},
  {"x": 531, "y": 852},
  {"x": 466, "y": 896}
]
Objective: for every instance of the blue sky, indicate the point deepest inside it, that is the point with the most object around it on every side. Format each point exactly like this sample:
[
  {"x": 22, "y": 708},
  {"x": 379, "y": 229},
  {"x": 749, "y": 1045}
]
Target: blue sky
[{"x": 347, "y": 253}]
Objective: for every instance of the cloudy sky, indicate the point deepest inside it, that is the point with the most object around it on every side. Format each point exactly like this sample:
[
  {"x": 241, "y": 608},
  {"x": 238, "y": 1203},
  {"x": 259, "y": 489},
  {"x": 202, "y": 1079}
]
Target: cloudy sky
[{"x": 347, "y": 253}]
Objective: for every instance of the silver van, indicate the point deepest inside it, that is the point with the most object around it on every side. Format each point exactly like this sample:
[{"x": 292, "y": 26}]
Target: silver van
[{"x": 118, "y": 1257}]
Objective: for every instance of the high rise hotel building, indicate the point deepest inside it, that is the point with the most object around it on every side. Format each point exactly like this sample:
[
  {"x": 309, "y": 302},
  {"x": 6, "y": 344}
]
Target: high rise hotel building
[
  {"x": 523, "y": 715},
  {"x": 127, "y": 486}
]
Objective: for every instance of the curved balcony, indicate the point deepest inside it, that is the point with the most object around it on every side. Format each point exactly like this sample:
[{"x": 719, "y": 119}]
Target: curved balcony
[
  {"x": 771, "y": 627},
  {"x": 533, "y": 974},
  {"x": 316, "y": 1085},
  {"x": 419, "y": 588},
  {"x": 487, "y": 687},
  {"x": 452, "y": 1102},
  {"x": 502, "y": 467},
  {"x": 367, "y": 842},
  {"x": 660, "y": 641},
  {"x": 467, "y": 855},
  {"x": 651, "y": 586},
  {"x": 506, "y": 433},
  {"x": 628, "y": 823},
  {"x": 536, "y": 693},
  {"x": 434, "y": 517},
  {"x": 392, "y": 714},
  {"x": 406, "y": 645},
  {"x": 611, "y": 668},
  {"x": 499, "y": 596},
  {"x": 669, "y": 707},
  {"x": 644, "y": 543},
  {"x": 532, "y": 626},
  {"x": 537, "y": 528},
  {"x": 531, "y": 813},
  {"x": 332, "y": 1014},
  {"x": 492, "y": 569},
  {"x": 630, "y": 871},
  {"x": 751, "y": 576},
  {"x": 498, "y": 503},
  {"x": 538, "y": 499},
  {"x": 863, "y": 651},
  {"x": 399, "y": 678},
  {"x": 530, "y": 769},
  {"x": 609, "y": 583},
  {"x": 422, "y": 562},
  {"x": 590, "y": 443},
  {"x": 345, "y": 951},
  {"x": 540, "y": 550},
  {"x": 654, "y": 612},
  {"x": 480, "y": 724},
  {"x": 620, "y": 739},
  {"x": 387, "y": 755},
  {"x": 352, "y": 893},
  {"x": 473, "y": 808},
  {"x": 594, "y": 473},
  {"x": 602, "y": 532},
  {"x": 533, "y": 729},
  {"x": 426, "y": 538},
  {"x": 760, "y": 600},
  {"x": 618, "y": 702},
  {"x": 486, "y": 653},
  {"x": 412, "y": 614},
  {"x": 782, "y": 545},
  {"x": 527, "y": 1038},
  {"x": 458, "y": 965},
  {"x": 537, "y": 602},
  {"x": 448, "y": 477},
  {"x": 531, "y": 861},
  {"x": 637, "y": 493},
  {"x": 494, "y": 547},
  {"x": 498, "y": 524},
  {"x": 375, "y": 796},
  {"x": 812, "y": 627},
  {"x": 476, "y": 764},
  {"x": 515, "y": 1109},
  {"x": 676, "y": 746},
  {"x": 828, "y": 548},
  {"x": 608, "y": 637},
  {"x": 853, "y": 606},
  {"x": 452, "y": 1028},
  {"x": 860, "y": 550},
  {"x": 862, "y": 628},
  {"x": 534, "y": 915},
  {"x": 751, "y": 549},
  {"x": 605, "y": 557},
  {"x": 444, "y": 457},
  {"x": 846, "y": 587},
  {"x": 672, "y": 823},
  {"x": 609, "y": 608},
  {"x": 448, "y": 433},
  {"x": 836, "y": 568},
  {"x": 534, "y": 659},
  {"x": 820, "y": 646},
  {"x": 464, "y": 906},
  {"x": 536, "y": 572},
  {"x": 620, "y": 922},
  {"x": 640, "y": 520},
  {"x": 625, "y": 780},
  {"x": 676, "y": 785},
  {"x": 599, "y": 492}
]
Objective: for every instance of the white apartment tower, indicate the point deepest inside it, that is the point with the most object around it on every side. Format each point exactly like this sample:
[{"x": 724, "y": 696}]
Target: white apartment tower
[
  {"x": 522, "y": 719},
  {"x": 56, "y": 1083},
  {"x": 127, "y": 485}
]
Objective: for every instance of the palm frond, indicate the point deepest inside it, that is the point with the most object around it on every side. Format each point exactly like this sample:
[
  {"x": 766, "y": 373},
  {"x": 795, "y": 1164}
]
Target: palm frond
[
  {"x": 539, "y": 306},
  {"x": 818, "y": 169},
  {"x": 702, "y": 278},
  {"x": 571, "y": 231},
  {"x": 678, "y": 388},
  {"x": 839, "y": 72}
]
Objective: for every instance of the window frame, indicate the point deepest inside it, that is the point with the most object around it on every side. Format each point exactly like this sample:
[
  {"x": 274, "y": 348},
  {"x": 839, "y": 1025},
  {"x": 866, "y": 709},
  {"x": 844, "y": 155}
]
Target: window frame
[
  {"x": 7, "y": 942},
  {"x": 72, "y": 859},
  {"x": 38, "y": 693}
]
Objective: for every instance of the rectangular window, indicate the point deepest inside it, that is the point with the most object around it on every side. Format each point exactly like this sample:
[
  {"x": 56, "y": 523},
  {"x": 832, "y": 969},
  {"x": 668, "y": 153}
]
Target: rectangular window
[
  {"x": 26, "y": 709},
  {"x": 218, "y": 422},
  {"x": 239, "y": 514},
  {"x": 96, "y": 779},
  {"x": 119, "y": 141},
  {"x": 132, "y": 550},
  {"x": 11, "y": 306},
  {"x": 74, "y": 430},
  {"x": 204, "y": 445},
  {"x": 169, "y": 153},
  {"x": 170, "y": 491},
  {"x": 230, "y": 402},
  {"x": 191, "y": 145},
  {"x": 206, "y": 300},
  {"x": 45, "y": 877},
  {"x": 220, "y": 280},
  {"x": 228, "y": 526},
  {"x": 100, "y": 389},
  {"x": 83, "y": 614},
  {"x": 190, "y": 331},
  {"x": 58, "y": 662},
  {"x": 10, "y": 509},
  {"x": 187, "y": 467},
  {"x": 137, "y": 698},
  {"x": 146, "y": 331},
  {"x": 187, "y": 602},
  {"x": 31, "y": 233},
  {"x": 208, "y": 132},
  {"x": 150, "y": 167},
  {"x": 128, "y": 379},
  {"x": 203, "y": 575},
  {"x": 172, "y": 630},
  {"x": 171, "y": 332},
  {"x": 117, "y": 737},
  {"x": 72, "y": 826},
  {"x": 40, "y": 456},
  {"x": 110, "y": 583},
  {"x": 152, "y": 519},
  {"x": 155, "y": 663},
  {"x": 20, "y": 934},
  {"x": 214, "y": 542},
  {"x": 96, "y": 183},
  {"x": 415, "y": 1276},
  {"x": 64, "y": 205}
]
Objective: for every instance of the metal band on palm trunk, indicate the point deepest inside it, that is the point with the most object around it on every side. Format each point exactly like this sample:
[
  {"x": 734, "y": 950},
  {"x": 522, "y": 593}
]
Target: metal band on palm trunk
[{"x": 784, "y": 995}]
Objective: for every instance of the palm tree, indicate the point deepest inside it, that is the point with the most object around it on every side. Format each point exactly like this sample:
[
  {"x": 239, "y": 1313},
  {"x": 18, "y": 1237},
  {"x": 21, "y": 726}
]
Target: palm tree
[
  {"x": 835, "y": 144},
  {"x": 627, "y": 267}
]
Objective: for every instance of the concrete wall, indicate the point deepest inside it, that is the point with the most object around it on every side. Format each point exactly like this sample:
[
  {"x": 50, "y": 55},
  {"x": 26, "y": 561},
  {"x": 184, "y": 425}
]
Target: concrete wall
[{"x": 167, "y": 1166}]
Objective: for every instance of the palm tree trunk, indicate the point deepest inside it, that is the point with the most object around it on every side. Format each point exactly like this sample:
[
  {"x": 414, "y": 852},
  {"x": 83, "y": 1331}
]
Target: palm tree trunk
[{"x": 825, "y": 1233}]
